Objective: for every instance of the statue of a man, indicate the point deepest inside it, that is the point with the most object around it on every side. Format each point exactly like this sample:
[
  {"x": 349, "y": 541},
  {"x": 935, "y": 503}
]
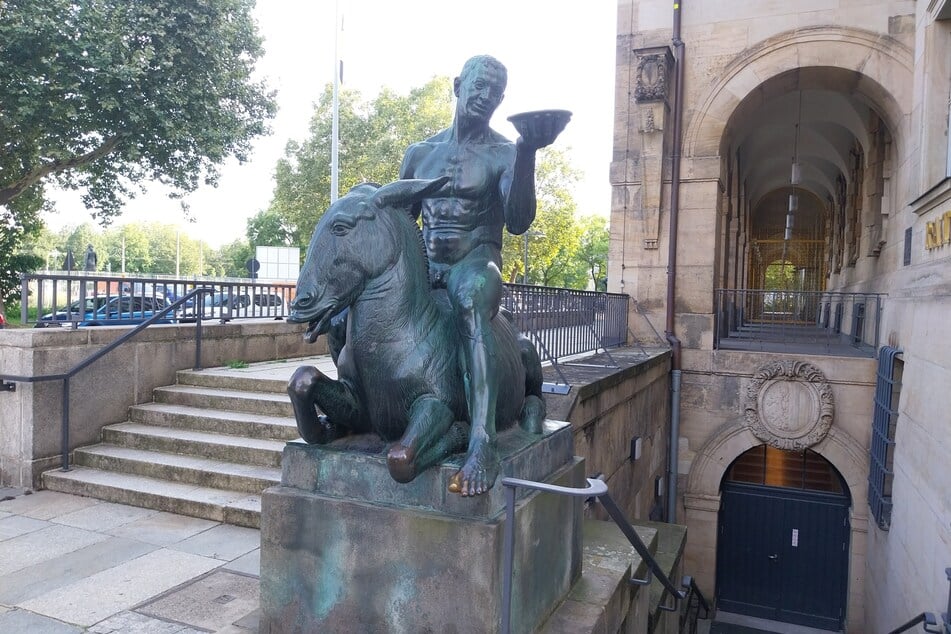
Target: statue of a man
[
  {"x": 491, "y": 185},
  {"x": 91, "y": 259}
]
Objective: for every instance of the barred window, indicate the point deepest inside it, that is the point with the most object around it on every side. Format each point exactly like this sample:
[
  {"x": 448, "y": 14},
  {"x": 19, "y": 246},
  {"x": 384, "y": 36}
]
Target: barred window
[{"x": 884, "y": 423}]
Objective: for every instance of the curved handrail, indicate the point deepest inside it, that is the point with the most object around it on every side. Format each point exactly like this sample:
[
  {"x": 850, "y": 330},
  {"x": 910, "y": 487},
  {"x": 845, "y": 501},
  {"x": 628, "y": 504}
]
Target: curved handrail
[
  {"x": 595, "y": 489},
  {"x": 68, "y": 374}
]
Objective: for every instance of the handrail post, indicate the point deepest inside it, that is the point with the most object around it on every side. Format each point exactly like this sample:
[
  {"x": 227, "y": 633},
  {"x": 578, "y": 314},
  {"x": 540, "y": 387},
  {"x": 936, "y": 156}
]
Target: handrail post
[
  {"x": 509, "y": 559},
  {"x": 65, "y": 428},
  {"x": 198, "y": 338},
  {"x": 24, "y": 298}
]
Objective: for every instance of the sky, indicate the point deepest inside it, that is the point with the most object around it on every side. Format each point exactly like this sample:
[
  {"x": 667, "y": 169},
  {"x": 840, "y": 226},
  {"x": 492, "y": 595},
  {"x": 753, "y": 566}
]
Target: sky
[{"x": 559, "y": 54}]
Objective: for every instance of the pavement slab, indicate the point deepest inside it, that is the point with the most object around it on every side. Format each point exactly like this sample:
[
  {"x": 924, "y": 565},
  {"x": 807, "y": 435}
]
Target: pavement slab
[
  {"x": 162, "y": 529},
  {"x": 48, "y": 575},
  {"x": 16, "y": 525},
  {"x": 213, "y": 602},
  {"x": 135, "y": 623},
  {"x": 45, "y": 505},
  {"x": 120, "y": 587},
  {"x": 44, "y": 545},
  {"x": 23, "y": 621},
  {"x": 223, "y": 542},
  {"x": 104, "y": 516},
  {"x": 249, "y": 564}
]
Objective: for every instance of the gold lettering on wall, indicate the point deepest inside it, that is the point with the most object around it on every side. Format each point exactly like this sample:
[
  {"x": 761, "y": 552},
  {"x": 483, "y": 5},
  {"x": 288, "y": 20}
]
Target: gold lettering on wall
[{"x": 938, "y": 233}]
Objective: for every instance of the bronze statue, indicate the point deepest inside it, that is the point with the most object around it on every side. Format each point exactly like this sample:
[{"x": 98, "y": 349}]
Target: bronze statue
[
  {"x": 491, "y": 184},
  {"x": 400, "y": 370},
  {"x": 480, "y": 183}
]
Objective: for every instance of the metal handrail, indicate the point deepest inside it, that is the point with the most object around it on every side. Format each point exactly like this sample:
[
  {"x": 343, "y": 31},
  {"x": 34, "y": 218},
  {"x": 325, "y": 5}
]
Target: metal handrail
[
  {"x": 68, "y": 374},
  {"x": 596, "y": 489},
  {"x": 693, "y": 591},
  {"x": 927, "y": 618}
]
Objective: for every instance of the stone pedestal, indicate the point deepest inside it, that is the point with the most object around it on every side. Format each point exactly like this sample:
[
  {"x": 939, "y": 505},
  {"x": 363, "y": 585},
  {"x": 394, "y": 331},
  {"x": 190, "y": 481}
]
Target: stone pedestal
[{"x": 344, "y": 548}]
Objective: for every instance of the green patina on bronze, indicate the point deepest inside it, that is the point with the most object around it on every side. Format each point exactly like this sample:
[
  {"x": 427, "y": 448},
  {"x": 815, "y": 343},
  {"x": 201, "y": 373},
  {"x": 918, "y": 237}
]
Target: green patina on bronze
[{"x": 424, "y": 357}]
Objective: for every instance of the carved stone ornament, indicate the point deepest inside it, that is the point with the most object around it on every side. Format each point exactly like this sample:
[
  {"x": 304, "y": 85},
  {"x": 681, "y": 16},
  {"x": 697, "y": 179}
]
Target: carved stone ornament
[
  {"x": 653, "y": 72},
  {"x": 789, "y": 405}
]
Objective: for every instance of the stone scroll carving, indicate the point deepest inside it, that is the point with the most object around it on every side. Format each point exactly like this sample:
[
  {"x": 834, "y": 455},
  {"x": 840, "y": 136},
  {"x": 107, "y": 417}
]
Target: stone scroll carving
[
  {"x": 653, "y": 73},
  {"x": 789, "y": 405}
]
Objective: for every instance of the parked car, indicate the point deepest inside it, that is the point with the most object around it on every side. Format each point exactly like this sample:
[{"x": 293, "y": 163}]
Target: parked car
[
  {"x": 225, "y": 305},
  {"x": 92, "y": 304},
  {"x": 124, "y": 311}
]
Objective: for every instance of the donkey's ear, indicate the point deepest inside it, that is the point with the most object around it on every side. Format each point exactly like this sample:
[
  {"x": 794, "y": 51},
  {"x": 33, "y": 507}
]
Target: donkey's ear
[{"x": 404, "y": 193}]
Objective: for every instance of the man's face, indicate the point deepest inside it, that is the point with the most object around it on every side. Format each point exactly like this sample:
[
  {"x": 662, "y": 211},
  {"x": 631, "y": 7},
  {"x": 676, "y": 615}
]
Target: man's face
[{"x": 479, "y": 92}]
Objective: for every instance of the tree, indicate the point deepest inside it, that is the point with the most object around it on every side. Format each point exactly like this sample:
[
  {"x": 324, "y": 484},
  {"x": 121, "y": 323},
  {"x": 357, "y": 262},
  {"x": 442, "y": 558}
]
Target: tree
[
  {"x": 551, "y": 254},
  {"x": 269, "y": 229},
  {"x": 230, "y": 259},
  {"x": 104, "y": 94},
  {"x": 373, "y": 138},
  {"x": 593, "y": 250}
]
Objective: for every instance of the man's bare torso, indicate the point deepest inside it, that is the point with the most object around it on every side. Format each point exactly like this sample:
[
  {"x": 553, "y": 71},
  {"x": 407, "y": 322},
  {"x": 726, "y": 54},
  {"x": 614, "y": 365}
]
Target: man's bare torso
[{"x": 469, "y": 210}]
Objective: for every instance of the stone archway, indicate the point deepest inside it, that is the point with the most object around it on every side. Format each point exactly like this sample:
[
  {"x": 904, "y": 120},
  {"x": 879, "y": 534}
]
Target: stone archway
[
  {"x": 702, "y": 502},
  {"x": 883, "y": 69}
]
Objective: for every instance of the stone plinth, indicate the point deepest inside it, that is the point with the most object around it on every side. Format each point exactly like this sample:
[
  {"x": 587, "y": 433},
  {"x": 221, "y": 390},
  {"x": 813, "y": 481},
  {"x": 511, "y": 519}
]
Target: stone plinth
[{"x": 344, "y": 548}]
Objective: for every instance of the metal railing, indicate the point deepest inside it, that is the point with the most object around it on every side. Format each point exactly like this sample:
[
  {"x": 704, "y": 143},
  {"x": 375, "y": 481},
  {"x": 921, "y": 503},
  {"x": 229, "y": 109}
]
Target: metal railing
[
  {"x": 73, "y": 371},
  {"x": 789, "y": 318},
  {"x": 693, "y": 604},
  {"x": 928, "y": 620},
  {"x": 94, "y": 299},
  {"x": 596, "y": 489},
  {"x": 565, "y": 322},
  {"x": 562, "y": 322}
]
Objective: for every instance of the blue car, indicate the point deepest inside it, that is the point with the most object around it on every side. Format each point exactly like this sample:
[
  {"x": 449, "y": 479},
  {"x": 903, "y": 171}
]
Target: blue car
[{"x": 127, "y": 311}]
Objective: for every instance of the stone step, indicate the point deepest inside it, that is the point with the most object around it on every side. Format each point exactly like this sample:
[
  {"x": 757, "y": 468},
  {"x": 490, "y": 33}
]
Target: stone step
[
  {"x": 231, "y": 507},
  {"x": 255, "y": 451},
  {"x": 214, "y": 420},
  {"x": 178, "y": 468},
  {"x": 225, "y": 380},
  {"x": 267, "y": 404}
]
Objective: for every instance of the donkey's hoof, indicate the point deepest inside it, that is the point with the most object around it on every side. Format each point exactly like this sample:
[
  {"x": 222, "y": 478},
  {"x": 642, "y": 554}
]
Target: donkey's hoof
[{"x": 401, "y": 461}]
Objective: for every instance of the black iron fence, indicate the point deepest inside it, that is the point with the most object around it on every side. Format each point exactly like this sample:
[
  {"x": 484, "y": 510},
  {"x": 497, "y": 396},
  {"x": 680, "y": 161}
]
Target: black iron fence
[
  {"x": 98, "y": 300},
  {"x": 565, "y": 322},
  {"x": 562, "y": 322},
  {"x": 798, "y": 317}
]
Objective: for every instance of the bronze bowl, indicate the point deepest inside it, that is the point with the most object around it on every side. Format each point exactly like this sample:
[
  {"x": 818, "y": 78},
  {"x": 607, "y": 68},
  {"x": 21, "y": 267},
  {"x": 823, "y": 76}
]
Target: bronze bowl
[{"x": 541, "y": 124}]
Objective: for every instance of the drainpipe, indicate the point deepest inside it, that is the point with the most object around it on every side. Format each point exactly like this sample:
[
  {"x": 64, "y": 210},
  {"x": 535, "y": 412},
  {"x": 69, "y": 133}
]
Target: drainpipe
[{"x": 672, "y": 339}]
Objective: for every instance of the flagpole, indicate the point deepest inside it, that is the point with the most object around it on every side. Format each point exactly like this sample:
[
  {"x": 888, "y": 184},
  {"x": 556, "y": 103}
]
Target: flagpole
[{"x": 335, "y": 126}]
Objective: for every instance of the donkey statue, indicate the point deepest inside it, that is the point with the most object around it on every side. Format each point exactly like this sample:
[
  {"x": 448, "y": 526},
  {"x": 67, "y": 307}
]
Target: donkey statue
[{"x": 400, "y": 368}]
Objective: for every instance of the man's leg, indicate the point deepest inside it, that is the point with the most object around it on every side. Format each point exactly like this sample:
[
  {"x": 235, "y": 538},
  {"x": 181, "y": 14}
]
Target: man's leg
[{"x": 475, "y": 290}]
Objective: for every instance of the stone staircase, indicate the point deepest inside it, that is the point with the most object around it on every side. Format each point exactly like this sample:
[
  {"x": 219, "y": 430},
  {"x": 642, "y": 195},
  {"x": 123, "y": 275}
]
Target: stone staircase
[{"x": 206, "y": 447}]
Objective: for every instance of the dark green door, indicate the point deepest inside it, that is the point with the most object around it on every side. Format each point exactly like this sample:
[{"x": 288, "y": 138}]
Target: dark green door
[{"x": 782, "y": 554}]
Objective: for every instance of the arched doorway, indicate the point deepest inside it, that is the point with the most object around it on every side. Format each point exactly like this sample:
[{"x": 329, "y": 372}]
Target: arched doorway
[{"x": 783, "y": 544}]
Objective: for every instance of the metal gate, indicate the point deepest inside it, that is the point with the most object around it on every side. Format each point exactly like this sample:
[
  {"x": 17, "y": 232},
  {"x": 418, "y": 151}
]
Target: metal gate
[{"x": 782, "y": 554}]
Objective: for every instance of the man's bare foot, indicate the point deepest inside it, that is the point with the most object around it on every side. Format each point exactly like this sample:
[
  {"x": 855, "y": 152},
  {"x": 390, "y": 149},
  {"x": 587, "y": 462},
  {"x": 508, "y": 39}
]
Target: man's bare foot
[{"x": 478, "y": 474}]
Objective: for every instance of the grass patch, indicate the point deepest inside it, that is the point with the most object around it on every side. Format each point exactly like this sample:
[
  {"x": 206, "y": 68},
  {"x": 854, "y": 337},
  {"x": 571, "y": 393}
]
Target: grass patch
[{"x": 237, "y": 364}]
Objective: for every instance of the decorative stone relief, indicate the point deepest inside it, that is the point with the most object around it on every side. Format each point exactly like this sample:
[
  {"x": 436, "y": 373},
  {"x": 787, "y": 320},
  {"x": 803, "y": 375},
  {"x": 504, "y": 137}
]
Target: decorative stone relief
[
  {"x": 789, "y": 405},
  {"x": 653, "y": 71}
]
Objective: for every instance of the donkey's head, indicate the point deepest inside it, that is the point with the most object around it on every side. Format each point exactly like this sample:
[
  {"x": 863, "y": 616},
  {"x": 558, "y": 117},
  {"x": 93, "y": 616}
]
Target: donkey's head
[{"x": 354, "y": 243}]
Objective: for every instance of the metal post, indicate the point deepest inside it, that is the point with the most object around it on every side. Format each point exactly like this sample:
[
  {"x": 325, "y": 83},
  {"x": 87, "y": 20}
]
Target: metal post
[
  {"x": 65, "y": 425},
  {"x": 198, "y": 336},
  {"x": 525, "y": 260},
  {"x": 24, "y": 298},
  {"x": 509, "y": 556}
]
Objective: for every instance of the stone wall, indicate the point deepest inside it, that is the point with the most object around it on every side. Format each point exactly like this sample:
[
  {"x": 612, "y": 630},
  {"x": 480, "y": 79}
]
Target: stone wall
[
  {"x": 101, "y": 394},
  {"x": 609, "y": 407}
]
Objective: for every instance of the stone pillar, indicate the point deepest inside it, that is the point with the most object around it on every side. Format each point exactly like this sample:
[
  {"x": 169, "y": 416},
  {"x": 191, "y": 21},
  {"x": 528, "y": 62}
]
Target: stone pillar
[{"x": 345, "y": 548}]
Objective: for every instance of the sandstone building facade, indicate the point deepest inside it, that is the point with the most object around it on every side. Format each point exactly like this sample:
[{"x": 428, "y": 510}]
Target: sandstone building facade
[{"x": 811, "y": 297}]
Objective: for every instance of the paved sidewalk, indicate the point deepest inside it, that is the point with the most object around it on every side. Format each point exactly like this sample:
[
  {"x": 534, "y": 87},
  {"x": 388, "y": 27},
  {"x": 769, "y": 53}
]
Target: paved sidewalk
[{"x": 75, "y": 564}]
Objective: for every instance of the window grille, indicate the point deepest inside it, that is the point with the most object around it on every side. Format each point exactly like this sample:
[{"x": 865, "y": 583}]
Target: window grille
[{"x": 884, "y": 423}]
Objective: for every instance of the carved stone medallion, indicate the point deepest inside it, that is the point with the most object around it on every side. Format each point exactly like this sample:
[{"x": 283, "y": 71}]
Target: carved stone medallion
[
  {"x": 653, "y": 70},
  {"x": 789, "y": 405}
]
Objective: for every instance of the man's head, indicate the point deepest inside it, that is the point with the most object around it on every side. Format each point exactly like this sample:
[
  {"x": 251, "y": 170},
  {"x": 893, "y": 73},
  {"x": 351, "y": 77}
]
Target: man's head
[{"x": 480, "y": 87}]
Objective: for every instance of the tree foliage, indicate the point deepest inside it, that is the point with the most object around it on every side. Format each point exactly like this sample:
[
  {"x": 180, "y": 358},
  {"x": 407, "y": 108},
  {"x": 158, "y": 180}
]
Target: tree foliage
[
  {"x": 102, "y": 94},
  {"x": 373, "y": 137}
]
